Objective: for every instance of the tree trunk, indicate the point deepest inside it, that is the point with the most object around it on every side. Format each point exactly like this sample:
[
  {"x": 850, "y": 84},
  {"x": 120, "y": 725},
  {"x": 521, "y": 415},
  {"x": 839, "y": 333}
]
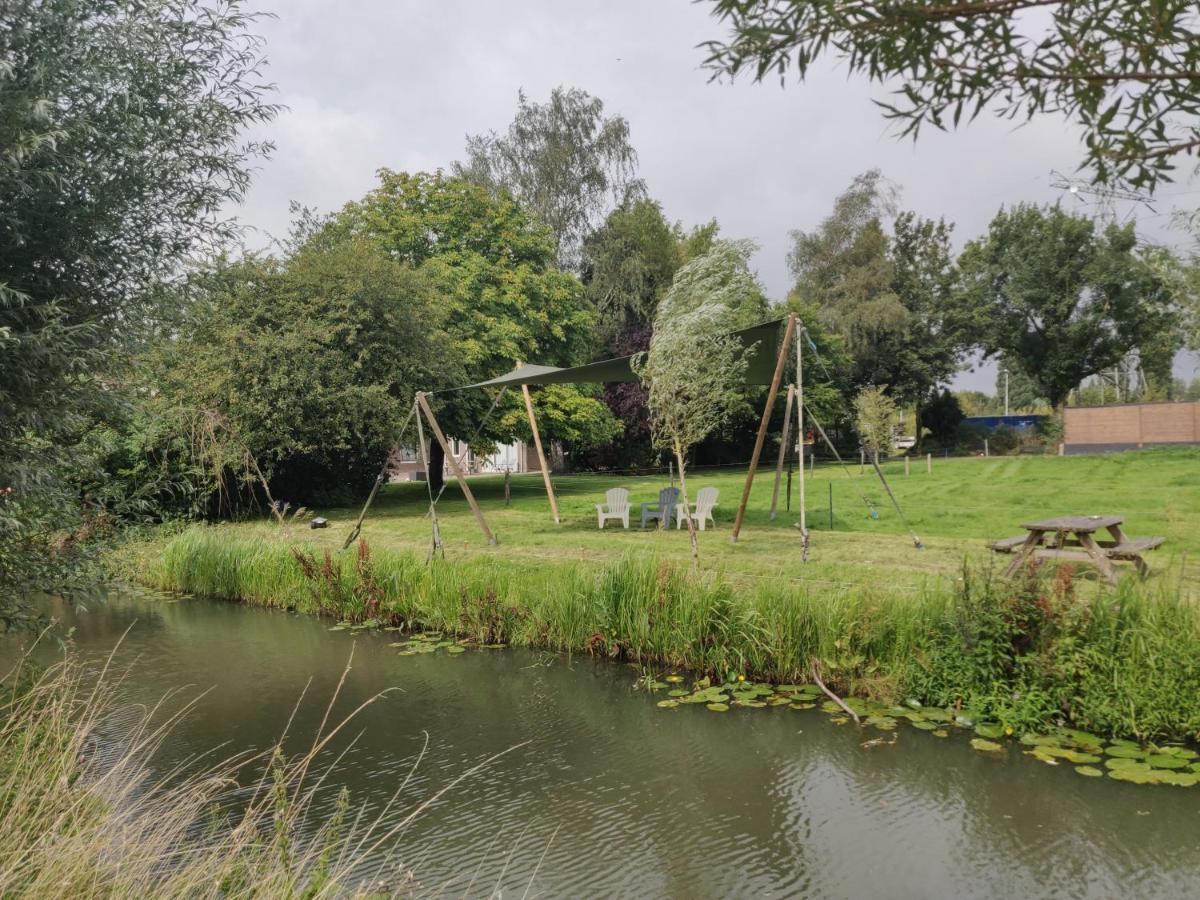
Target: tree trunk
[
  {"x": 437, "y": 466},
  {"x": 688, "y": 507}
]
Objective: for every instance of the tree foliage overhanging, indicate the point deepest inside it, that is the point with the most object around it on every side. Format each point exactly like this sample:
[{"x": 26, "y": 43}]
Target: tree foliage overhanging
[
  {"x": 121, "y": 138},
  {"x": 1124, "y": 72}
]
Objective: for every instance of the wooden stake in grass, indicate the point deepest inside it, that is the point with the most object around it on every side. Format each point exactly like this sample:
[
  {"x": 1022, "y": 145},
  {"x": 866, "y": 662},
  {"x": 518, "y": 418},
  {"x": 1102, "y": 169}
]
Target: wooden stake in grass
[
  {"x": 772, "y": 393},
  {"x": 783, "y": 449},
  {"x": 454, "y": 467},
  {"x": 537, "y": 443}
]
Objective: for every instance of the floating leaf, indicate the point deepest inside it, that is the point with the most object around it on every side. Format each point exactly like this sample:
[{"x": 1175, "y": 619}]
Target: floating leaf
[
  {"x": 678, "y": 692},
  {"x": 986, "y": 745},
  {"x": 1089, "y": 771},
  {"x": 1161, "y": 761},
  {"x": 923, "y": 725},
  {"x": 1122, "y": 751},
  {"x": 667, "y": 704},
  {"x": 802, "y": 706},
  {"x": 940, "y": 732},
  {"x": 883, "y": 723},
  {"x": 339, "y": 628},
  {"x": 718, "y": 707},
  {"x": 840, "y": 720},
  {"x": 989, "y": 729},
  {"x": 456, "y": 649},
  {"x": 754, "y": 704}
]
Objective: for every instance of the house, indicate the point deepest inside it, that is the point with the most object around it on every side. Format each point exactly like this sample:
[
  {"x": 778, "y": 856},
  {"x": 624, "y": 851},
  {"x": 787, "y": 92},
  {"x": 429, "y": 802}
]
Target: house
[{"x": 518, "y": 457}]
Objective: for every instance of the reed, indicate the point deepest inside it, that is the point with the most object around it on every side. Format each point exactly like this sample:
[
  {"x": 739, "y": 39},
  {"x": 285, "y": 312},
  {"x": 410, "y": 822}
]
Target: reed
[
  {"x": 85, "y": 815},
  {"x": 1029, "y": 652}
]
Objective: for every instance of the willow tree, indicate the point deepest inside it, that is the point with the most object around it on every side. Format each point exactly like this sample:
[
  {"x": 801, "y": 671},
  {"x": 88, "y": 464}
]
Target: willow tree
[{"x": 694, "y": 370}]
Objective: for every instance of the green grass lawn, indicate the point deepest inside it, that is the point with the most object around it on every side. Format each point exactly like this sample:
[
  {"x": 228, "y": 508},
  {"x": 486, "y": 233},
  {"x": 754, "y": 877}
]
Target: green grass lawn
[{"x": 955, "y": 511}]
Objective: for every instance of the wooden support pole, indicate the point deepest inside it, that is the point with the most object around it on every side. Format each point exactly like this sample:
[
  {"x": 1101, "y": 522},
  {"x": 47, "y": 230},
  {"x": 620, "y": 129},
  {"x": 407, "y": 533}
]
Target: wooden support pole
[
  {"x": 784, "y": 346},
  {"x": 928, "y": 463},
  {"x": 783, "y": 449},
  {"x": 905, "y": 465},
  {"x": 537, "y": 442},
  {"x": 800, "y": 338},
  {"x": 454, "y": 466}
]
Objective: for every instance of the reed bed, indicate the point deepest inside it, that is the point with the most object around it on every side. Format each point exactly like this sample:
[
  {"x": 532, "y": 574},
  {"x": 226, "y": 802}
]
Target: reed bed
[
  {"x": 83, "y": 812},
  {"x": 1032, "y": 652}
]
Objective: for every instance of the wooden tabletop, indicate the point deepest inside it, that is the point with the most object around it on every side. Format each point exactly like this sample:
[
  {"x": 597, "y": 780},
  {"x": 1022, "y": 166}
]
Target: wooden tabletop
[{"x": 1078, "y": 524}]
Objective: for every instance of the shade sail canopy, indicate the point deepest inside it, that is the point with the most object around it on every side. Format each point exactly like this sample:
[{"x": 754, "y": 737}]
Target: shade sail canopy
[{"x": 760, "y": 341}]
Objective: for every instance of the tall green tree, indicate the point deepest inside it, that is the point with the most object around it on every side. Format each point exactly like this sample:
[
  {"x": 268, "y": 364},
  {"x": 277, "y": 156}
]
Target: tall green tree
[
  {"x": 494, "y": 268},
  {"x": 1061, "y": 300},
  {"x": 1124, "y": 73},
  {"x": 121, "y": 140},
  {"x": 628, "y": 264},
  {"x": 310, "y": 362},
  {"x": 890, "y": 297},
  {"x": 565, "y": 161}
]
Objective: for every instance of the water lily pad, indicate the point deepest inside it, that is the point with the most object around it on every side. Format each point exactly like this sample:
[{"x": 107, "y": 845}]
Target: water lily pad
[
  {"x": 658, "y": 685},
  {"x": 985, "y": 745},
  {"x": 1083, "y": 740},
  {"x": 753, "y": 704},
  {"x": 678, "y": 692},
  {"x": 1175, "y": 750},
  {"x": 840, "y": 720},
  {"x": 915, "y": 704},
  {"x": 989, "y": 729},
  {"x": 1121, "y": 751},
  {"x": 1077, "y": 757},
  {"x": 667, "y": 704},
  {"x": 964, "y": 721},
  {"x": 883, "y": 723},
  {"x": 1162, "y": 761},
  {"x": 923, "y": 725},
  {"x": 802, "y": 706},
  {"x": 1122, "y": 762},
  {"x": 456, "y": 649},
  {"x": 1089, "y": 771},
  {"x": 718, "y": 707},
  {"x": 830, "y": 707},
  {"x": 940, "y": 732},
  {"x": 1178, "y": 779},
  {"x": 778, "y": 701},
  {"x": 339, "y": 627}
]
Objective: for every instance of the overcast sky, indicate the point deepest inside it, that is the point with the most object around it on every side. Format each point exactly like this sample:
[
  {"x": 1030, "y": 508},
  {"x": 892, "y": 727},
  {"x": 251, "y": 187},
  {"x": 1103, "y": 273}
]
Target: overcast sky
[{"x": 373, "y": 83}]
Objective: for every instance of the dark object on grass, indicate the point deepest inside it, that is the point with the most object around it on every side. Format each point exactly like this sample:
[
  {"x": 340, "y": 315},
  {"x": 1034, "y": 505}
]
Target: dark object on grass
[{"x": 319, "y": 522}]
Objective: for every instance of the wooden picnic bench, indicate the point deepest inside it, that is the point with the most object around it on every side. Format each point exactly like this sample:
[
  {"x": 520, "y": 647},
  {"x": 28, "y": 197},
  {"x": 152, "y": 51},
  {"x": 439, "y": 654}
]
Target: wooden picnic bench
[{"x": 1072, "y": 538}]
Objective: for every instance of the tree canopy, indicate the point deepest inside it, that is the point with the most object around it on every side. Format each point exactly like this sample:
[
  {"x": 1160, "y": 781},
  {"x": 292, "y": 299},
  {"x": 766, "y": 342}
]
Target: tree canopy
[
  {"x": 311, "y": 361},
  {"x": 1061, "y": 300},
  {"x": 564, "y": 160},
  {"x": 891, "y": 298},
  {"x": 121, "y": 139},
  {"x": 1125, "y": 73},
  {"x": 494, "y": 269}
]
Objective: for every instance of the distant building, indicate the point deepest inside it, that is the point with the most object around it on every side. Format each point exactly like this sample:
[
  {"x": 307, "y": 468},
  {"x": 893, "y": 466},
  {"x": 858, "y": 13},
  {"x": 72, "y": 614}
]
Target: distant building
[
  {"x": 517, "y": 457},
  {"x": 1127, "y": 426}
]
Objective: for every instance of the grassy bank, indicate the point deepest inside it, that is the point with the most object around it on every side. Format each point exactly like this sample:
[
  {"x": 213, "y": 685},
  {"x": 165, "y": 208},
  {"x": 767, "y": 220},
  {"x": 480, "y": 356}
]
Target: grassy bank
[
  {"x": 1027, "y": 653},
  {"x": 955, "y": 509}
]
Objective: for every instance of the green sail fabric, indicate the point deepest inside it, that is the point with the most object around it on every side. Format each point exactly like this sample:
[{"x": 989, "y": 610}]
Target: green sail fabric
[{"x": 761, "y": 343}]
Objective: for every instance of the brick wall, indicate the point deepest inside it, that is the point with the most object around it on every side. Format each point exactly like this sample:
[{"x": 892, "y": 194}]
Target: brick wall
[{"x": 1133, "y": 424}]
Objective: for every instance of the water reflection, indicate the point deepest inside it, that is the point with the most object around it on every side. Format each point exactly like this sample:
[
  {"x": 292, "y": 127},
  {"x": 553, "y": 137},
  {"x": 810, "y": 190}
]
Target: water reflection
[{"x": 623, "y": 798}]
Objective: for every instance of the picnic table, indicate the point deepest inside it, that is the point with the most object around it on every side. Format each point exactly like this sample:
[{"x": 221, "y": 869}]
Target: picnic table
[{"x": 1073, "y": 538}]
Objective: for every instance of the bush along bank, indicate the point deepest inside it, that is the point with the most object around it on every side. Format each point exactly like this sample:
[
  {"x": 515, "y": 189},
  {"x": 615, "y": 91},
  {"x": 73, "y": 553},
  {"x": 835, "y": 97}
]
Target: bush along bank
[{"x": 1024, "y": 655}]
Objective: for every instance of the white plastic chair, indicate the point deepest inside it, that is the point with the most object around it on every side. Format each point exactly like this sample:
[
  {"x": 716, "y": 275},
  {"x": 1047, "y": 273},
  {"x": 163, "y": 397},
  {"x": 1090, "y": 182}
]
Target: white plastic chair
[
  {"x": 615, "y": 506},
  {"x": 706, "y": 499}
]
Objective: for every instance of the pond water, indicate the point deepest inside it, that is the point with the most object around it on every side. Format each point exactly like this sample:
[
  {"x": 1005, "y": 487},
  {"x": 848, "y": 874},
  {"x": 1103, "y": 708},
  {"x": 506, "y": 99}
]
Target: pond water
[{"x": 616, "y": 797}]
